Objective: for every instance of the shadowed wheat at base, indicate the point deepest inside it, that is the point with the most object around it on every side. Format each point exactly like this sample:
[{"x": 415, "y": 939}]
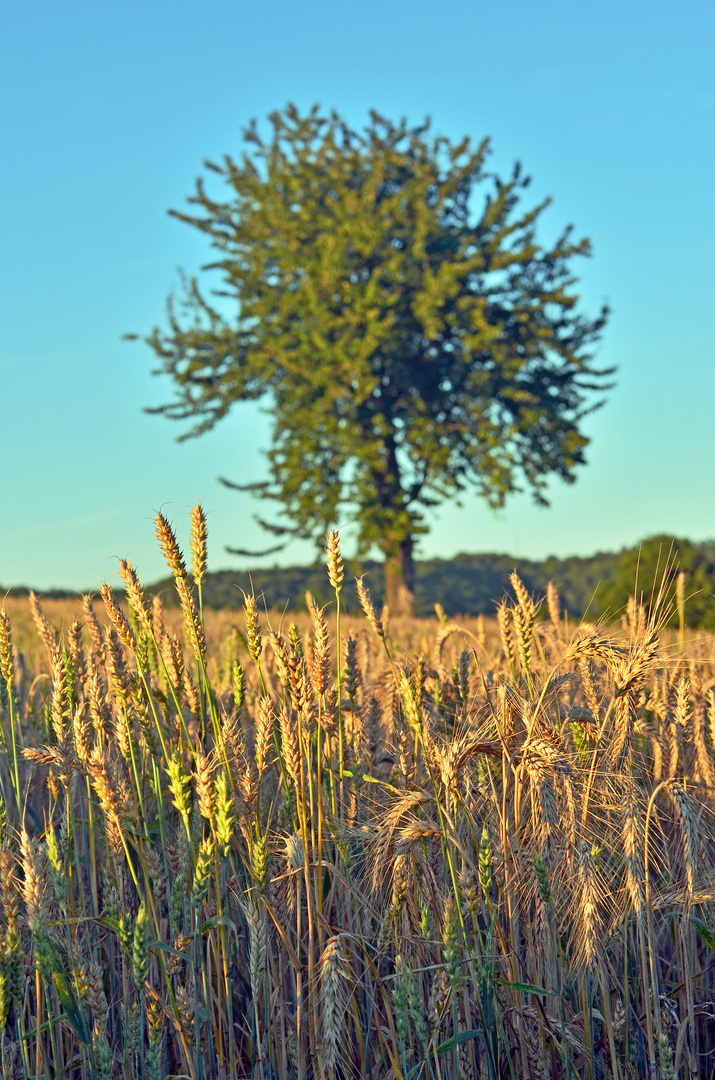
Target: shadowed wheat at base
[{"x": 351, "y": 847}]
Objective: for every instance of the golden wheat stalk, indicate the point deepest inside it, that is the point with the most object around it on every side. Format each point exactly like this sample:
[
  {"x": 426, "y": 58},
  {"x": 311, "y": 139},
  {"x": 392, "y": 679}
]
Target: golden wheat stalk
[{"x": 198, "y": 544}]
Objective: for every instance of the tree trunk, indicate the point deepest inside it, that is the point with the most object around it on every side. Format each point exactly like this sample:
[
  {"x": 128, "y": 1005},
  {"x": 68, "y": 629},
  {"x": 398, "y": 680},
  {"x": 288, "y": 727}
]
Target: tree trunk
[{"x": 400, "y": 579}]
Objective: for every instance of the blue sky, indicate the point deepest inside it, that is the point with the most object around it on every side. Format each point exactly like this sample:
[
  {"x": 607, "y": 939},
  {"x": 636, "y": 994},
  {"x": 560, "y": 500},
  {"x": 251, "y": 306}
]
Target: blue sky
[{"x": 107, "y": 114}]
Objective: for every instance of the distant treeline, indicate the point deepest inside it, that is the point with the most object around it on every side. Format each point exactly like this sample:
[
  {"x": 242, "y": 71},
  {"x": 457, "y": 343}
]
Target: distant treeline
[
  {"x": 472, "y": 584},
  {"x": 465, "y": 585},
  {"x": 595, "y": 586}
]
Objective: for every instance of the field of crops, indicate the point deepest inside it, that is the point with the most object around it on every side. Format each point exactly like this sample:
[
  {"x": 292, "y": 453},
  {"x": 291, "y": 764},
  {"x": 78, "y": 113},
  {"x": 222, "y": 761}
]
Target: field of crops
[{"x": 238, "y": 847}]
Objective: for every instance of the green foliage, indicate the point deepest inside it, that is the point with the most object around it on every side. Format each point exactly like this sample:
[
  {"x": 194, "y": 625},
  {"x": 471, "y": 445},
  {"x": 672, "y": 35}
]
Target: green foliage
[
  {"x": 411, "y": 341},
  {"x": 648, "y": 573}
]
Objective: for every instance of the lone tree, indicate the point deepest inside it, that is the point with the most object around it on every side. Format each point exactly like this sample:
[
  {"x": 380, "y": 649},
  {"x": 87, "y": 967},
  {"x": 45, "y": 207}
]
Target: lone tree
[{"x": 411, "y": 341}]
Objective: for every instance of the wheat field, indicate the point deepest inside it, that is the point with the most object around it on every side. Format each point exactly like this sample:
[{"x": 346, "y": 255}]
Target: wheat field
[{"x": 340, "y": 847}]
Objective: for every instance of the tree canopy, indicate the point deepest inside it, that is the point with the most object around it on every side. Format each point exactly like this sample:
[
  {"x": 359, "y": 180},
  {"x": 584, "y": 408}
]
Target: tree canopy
[{"x": 411, "y": 340}]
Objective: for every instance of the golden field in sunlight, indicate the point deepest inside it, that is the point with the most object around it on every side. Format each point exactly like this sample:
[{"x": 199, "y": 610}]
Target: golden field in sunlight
[{"x": 234, "y": 845}]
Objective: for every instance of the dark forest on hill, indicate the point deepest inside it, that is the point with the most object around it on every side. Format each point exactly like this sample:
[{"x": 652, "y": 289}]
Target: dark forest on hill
[
  {"x": 589, "y": 586},
  {"x": 465, "y": 585}
]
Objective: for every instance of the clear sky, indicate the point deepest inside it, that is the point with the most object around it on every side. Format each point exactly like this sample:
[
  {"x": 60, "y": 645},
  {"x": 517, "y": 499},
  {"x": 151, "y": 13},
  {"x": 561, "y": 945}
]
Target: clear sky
[{"x": 107, "y": 112}]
